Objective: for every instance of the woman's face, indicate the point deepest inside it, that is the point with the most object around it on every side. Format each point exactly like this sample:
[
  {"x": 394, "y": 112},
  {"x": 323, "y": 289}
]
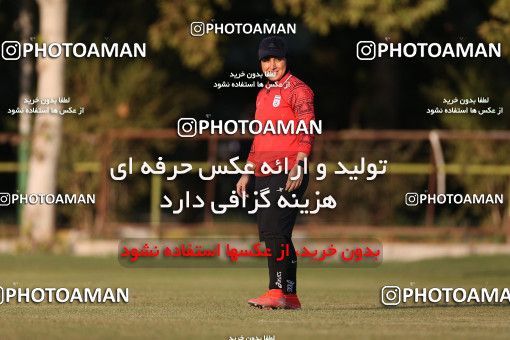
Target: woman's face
[{"x": 273, "y": 67}]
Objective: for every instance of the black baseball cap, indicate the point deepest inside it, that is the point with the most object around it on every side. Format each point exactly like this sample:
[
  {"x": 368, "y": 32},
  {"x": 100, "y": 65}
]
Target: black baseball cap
[{"x": 272, "y": 46}]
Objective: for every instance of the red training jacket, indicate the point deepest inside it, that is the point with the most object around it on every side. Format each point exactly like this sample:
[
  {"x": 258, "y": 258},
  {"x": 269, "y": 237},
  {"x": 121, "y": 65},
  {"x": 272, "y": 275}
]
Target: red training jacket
[{"x": 292, "y": 99}]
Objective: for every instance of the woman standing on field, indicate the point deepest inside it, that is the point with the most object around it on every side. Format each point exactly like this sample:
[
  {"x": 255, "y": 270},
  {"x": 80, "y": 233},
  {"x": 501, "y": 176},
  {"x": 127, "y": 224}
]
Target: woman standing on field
[{"x": 285, "y": 98}]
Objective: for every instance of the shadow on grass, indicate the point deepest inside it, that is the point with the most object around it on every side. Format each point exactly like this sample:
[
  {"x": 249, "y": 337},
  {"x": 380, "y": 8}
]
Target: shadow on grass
[{"x": 425, "y": 306}]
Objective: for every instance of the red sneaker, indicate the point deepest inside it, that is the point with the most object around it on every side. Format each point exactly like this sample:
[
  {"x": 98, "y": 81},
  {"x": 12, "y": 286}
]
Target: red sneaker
[
  {"x": 292, "y": 301},
  {"x": 273, "y": 299}
]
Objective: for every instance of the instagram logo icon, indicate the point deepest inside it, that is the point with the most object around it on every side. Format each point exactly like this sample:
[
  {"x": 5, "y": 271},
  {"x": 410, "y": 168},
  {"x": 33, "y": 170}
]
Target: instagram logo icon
[
  {"x": 5, "y": 199},
  {"x": 411, "y": 199},
  {"x": 365, "y": 50},
  {"x": 11, "y": 50},
  {"x": 187, "y": 127},
  {"x": 197, "y": 28},
  {"x": 390, "y": 295}
]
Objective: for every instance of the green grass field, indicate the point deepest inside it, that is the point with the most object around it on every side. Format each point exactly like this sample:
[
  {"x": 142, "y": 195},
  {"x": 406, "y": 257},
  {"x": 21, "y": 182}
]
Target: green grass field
[{"x": 211, "y": 303}]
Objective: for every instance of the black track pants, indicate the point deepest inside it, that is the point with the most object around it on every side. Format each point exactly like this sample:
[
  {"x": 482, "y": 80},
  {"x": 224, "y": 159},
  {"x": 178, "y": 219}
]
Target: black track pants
[{"x": 275, "y": 226}]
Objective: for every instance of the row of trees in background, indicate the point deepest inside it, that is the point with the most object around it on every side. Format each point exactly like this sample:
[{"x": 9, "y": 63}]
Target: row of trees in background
[{"x": 176, "y": 78}]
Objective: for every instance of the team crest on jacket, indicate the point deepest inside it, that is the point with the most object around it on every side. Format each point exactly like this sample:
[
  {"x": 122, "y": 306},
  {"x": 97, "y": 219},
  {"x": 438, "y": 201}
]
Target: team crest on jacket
[{"x": 276, "y": 100}]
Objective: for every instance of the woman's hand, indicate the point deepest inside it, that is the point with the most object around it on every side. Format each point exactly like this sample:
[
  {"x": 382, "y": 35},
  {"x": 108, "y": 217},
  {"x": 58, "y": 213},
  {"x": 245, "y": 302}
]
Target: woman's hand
[
  {"x": 293, "y": 184},
  {"x": 242, "y": 184}
]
